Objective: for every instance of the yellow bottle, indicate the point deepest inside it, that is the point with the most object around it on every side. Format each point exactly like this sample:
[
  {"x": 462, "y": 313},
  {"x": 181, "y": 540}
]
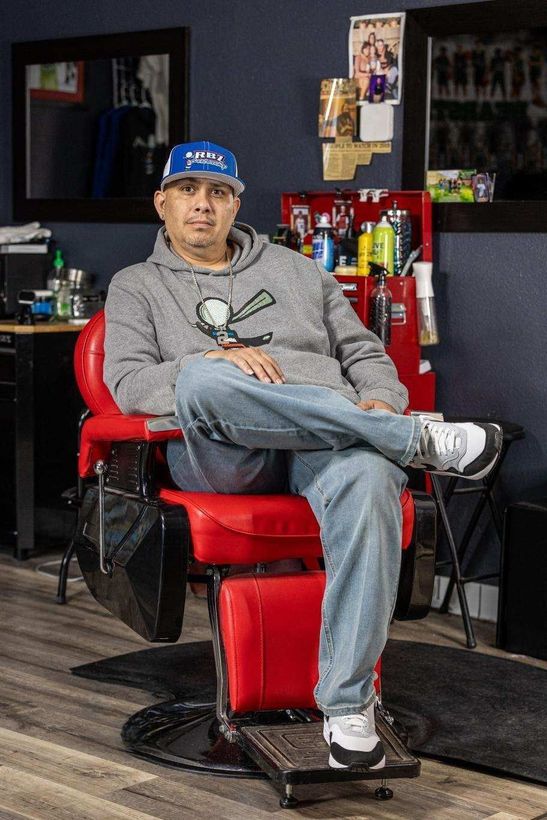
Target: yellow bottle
[
  {"x": 383, "y": 243},
  {"x": 364, "y": 249}
]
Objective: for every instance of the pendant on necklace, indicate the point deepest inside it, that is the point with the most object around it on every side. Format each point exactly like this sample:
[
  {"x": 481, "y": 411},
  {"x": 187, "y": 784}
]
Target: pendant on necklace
[
  {"x": 222, "y": 337},
  {"x": 226, "y": 339}
]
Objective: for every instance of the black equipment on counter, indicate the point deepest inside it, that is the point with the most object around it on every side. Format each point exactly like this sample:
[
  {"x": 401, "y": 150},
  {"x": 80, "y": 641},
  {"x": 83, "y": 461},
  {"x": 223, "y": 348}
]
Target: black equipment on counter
[
  {"x": 20, "y": 271},
  {"x": 523, "y": 600}
]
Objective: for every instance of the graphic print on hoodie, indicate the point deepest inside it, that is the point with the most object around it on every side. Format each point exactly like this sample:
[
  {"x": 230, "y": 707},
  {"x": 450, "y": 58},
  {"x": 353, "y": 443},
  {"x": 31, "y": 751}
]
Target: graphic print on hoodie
[
  {"x": 213, "y": 312},
  {"x": 280, "y": 299}
]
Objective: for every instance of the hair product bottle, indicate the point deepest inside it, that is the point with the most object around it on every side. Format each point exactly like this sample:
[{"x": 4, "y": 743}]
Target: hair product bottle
[
  {"x": 323, "y": 242},
  {"x": 383, "y": 244},
  {"x": 364, "y": 248},
  {"x": 380, "y": 305},
  {"x": 402, "y": 225}
]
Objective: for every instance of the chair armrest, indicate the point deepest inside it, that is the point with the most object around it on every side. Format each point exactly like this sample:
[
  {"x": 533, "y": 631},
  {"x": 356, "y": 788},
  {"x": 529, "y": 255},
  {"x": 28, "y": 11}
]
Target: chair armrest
[{"x": 99, "y": 432}]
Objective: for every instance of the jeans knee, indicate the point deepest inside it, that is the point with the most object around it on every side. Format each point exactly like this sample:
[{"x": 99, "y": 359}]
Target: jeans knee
[
  {"x": 379, "y": 480},
  {"x": 388, "y": 484},
  {"x": 194, "y": 389},
  {"x": 205, "y": 388}
]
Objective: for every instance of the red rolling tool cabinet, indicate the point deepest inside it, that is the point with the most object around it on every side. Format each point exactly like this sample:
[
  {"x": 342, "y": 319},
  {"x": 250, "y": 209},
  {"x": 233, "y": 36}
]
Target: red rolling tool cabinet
[{"x": 404, "y": 348}]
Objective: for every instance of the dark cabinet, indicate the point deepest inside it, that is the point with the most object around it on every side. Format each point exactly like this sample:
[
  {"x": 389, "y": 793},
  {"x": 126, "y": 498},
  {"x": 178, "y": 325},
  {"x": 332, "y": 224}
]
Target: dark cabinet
[{"x": 39, "y": 410}]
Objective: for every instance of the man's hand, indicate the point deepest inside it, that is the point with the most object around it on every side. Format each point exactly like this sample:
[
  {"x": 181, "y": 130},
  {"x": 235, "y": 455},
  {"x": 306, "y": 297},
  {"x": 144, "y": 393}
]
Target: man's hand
[
  {"x": 252, "y": 361},
  {"x": 374, "y": 404}
]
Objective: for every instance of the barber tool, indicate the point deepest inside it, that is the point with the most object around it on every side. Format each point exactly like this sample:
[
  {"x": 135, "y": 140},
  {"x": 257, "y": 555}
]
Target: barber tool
[
  {"x": 383, "y": 241},
  {"x": 380, "y": 305},
  {"x": 408, "y": 264},
  {"x": 400, "y": 219},
  {"x": 35, "y": 305},
  {"x": 425, "y": 300}
]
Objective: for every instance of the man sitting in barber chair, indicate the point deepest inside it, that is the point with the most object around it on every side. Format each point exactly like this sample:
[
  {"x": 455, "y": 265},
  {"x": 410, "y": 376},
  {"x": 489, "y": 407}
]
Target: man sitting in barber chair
[{"x": 278, "y": 386}]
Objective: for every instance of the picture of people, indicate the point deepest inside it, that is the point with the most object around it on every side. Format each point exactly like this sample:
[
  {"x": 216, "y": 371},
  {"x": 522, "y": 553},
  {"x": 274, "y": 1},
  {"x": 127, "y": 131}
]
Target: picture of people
[
  {"x": 376, "y": 49},
  {"x": 300, "y": 220},
  {"x": 489, "y": 108},
  {"x": 337, "y": 112},
  {"x": 377, "y": 90}
]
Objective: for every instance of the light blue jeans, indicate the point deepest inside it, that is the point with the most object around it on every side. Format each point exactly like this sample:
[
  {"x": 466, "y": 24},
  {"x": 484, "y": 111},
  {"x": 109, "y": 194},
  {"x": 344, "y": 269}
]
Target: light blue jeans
[{"x": 242, "y": 435}]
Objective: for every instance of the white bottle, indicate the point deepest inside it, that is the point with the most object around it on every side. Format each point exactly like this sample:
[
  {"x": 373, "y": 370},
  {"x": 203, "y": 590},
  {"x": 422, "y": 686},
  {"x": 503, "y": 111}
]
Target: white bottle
[{"x": 425, "y": 301}]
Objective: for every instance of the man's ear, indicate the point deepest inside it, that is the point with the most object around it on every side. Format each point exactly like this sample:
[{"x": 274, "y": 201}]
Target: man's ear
[
  {"x": 237, "y": 206},
  {"x": 159, "y": 204}
]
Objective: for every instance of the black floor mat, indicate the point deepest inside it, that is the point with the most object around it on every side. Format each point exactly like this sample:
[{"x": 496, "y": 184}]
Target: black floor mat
[
  {"x": 456, "y": 705},
  {"x": 181, "y": 671},
  {"x": 468, "y": 707}
]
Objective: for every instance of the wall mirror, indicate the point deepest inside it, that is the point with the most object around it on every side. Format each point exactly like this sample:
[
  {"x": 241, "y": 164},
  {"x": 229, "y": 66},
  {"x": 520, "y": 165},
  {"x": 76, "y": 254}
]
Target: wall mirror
[
  {"x": 476, "y": 78},
  {"x": 93, "y": 119}
]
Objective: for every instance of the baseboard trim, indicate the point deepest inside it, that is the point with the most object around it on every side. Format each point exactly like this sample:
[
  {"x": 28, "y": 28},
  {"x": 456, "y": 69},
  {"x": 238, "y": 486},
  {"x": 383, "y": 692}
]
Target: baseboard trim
[{"x": 481, "y": 598}]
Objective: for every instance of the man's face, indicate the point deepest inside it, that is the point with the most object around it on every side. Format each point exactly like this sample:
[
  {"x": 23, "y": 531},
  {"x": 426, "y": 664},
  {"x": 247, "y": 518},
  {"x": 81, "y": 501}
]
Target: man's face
[{"x": 198, "y": 213}]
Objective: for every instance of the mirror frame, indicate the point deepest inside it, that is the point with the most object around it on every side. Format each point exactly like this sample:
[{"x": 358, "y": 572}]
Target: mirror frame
[
  {"x": 507, "y": 216},
  {"x": 173, "y": 41}
]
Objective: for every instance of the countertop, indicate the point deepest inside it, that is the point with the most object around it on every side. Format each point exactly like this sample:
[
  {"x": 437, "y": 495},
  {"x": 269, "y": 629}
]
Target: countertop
[{"x": 10, "y": 326}]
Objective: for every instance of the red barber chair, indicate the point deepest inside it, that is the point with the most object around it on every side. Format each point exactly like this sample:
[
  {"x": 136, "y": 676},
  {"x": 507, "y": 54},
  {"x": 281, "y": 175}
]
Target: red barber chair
[{"x": 138, "y": 543}]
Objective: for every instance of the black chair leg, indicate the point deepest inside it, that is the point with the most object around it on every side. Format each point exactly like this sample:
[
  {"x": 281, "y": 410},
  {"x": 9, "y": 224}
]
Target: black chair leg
[
  {"x": 63, "y": 573},
  {"x": 69, "y": 552},
  {"x": 456, "y": 574}
]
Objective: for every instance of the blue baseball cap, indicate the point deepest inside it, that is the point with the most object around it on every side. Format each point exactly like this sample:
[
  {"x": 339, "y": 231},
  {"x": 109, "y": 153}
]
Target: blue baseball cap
[{"x": 202, "y": 159}]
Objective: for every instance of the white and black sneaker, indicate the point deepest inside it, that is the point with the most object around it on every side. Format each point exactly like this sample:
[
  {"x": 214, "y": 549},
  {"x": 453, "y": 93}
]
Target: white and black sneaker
[
  {"x": 468, "y": 449},
  {"x": 353, "y": 741}
]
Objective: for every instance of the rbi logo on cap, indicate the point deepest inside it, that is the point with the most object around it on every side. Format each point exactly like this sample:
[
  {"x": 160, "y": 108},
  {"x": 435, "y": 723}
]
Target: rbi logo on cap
[{"x": 205, "y": 158}]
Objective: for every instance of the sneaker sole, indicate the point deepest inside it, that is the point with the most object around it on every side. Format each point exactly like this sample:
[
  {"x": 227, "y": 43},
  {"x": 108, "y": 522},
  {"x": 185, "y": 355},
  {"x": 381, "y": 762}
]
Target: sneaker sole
[{"x": 337, "y": 764}]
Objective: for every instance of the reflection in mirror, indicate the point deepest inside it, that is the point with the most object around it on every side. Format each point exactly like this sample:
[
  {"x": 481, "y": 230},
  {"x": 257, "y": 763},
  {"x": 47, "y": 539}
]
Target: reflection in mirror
[
  {"x": 488, "y": 113},
  {"x": 97, "y": 128}
]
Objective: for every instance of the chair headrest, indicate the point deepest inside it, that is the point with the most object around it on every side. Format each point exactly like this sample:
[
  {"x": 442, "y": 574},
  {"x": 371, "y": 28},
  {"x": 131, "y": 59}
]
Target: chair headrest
[{"x": 88, "y": 367}]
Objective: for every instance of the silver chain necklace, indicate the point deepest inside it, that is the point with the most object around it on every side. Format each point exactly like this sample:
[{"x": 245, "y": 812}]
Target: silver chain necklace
[
  {"x": 221, "y": 339},
  {"x": 222, "y": 326}
]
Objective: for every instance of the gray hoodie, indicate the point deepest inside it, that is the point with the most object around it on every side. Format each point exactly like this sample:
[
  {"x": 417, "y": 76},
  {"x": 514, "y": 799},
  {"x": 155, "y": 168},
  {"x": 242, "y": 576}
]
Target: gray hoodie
[{"x": 155, "y": 325}]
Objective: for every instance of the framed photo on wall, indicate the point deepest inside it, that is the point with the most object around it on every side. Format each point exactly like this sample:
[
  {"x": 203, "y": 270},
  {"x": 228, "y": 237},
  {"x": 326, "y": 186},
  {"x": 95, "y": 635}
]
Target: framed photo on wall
[{"x": 376, "y": 51}]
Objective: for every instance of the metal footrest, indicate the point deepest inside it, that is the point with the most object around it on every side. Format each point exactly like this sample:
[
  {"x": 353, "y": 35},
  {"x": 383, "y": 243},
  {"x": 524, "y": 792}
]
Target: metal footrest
[{"x": 296, "y": 753}]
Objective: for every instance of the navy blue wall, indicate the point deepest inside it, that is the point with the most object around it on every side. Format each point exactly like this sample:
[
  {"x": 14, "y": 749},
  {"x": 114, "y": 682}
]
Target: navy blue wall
[{"x": 255, "y": 67}]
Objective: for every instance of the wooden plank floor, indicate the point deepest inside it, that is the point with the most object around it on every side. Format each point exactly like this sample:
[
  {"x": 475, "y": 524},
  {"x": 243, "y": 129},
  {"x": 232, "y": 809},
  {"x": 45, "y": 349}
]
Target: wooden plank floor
[{"x": 61, "y": 755}]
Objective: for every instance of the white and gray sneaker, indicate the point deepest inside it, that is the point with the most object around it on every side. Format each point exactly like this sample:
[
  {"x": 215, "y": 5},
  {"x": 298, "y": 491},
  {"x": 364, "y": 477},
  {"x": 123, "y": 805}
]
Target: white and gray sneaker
[
  {"x": 468, "y": 449},
  {"x": 353, "y": 741}
]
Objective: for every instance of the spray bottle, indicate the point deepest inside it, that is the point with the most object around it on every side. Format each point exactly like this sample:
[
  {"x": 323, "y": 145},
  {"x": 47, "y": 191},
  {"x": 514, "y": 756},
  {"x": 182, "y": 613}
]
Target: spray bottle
[
  {"x": 380, "y": 305},
  {"x": 56, "y": 274},
  {"x": 55, "y": 278},
  {"x": 62, "y": 290},
  {"x": 425, "y": 302}
]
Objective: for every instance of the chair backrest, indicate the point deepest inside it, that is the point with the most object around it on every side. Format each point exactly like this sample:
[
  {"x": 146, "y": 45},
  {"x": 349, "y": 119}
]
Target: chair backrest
[{"x": 88, "y": 367}]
